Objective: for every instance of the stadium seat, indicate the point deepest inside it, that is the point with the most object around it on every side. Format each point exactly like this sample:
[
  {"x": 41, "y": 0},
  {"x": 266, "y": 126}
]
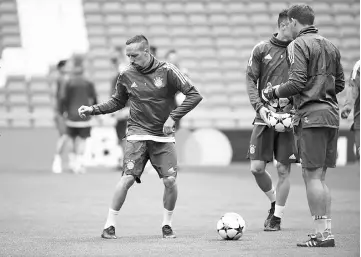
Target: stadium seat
[
  {"x": 194, "y": 7},
  {"x": 41, "y": 99},
  {"x": 114, "y": 19},
  {"x": 175, "y": 19},
  {"x": 276, "y": 7},
  {"x": 174, "y": 7},
  {"x": 257, "y": 7},
  {"x": 134, "y": 7},
  {"x": 236, "y": 20},
  {"x": 114, "y": 7},
  {"x": 96, "y": 30},
  {"x": 324, "y": 19},
  {"x": 195, "y": 19},
  {"x": 91, "y": 7},
  {"x": 321, "y": 8},
  {"x": 93, "y": 19},
  {"x": 215, "y": 7},
  {"x": 345, "y": 20},
  {"x": 341, "y": 8},
  {"x": 236, "y": 7},
  {"x": 152, "y": 8},
  {"x": 156, "y": 19}
]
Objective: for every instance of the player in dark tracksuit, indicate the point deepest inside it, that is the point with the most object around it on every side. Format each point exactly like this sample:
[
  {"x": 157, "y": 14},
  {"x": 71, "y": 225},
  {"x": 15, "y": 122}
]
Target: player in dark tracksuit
[
  {"x": 268, "y": 63},
  {"x": 77, "y": 91},
  {"x": 316, "y": 77},
  {"x": 353, "y": 101},
  {"x": 149, "y": 86}
]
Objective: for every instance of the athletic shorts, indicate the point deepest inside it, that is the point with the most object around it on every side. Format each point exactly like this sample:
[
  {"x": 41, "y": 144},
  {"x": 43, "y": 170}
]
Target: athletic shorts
[
  {"x": 162, "y": 156},
  {"x": 60, "y": 124},
  {"x": 74, "y": 132},
  {"x": 121, "y": 128},
  {"x": 317, "y": 146},
  {"x": 266, "y": 143}
]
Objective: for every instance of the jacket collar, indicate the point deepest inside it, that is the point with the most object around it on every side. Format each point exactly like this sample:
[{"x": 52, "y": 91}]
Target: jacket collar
[
  {"x": 308, "y": 30},
  {"x": 275, "y": 41},
  {"x": 151, "y": 67}
]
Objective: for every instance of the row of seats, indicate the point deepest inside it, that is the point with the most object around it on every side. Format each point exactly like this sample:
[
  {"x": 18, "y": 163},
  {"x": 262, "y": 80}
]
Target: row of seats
[
  {"x": 9, "y": 25},
  {"x": 210, "y": 7}
]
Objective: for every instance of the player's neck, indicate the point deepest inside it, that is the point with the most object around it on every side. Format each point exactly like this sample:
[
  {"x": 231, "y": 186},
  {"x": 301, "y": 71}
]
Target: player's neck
[{"x": 281, "y": 37}]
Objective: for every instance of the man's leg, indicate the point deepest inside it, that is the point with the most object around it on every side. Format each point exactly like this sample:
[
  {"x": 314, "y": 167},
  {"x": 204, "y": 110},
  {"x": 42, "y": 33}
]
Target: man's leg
[
  {"x": 135, "y": 157},
  {"x": 164, "y": 159},
  {"x": 328, "y": 199},
  {"x": 260, "y": 152},
  {"x": 318, "y": 150}
]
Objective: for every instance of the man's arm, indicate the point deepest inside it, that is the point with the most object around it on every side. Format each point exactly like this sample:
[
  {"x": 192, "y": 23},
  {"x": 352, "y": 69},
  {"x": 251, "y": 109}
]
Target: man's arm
[
  {"x": 252, "y": 76},
  {"x": 340, "y": 77},
  {"x": 297, "y": 72},
  {"x": 352, "y": 91},
  {"x": 183, "y": 84},
  {"x": 116, "y": 102}
]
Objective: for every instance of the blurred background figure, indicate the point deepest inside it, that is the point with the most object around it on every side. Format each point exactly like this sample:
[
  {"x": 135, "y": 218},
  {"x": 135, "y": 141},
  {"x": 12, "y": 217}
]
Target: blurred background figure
[
  {"x": 119, "y": 62},
  {"x": 78, "y": 91},
  {"x": 58, "y": 117},
  {"x": 352, "y": 101}
]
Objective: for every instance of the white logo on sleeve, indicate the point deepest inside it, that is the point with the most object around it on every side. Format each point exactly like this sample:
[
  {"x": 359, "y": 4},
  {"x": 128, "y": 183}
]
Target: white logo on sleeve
[
  {"x": 134, "y": 85},
  {"x": 268, "y": 57}
]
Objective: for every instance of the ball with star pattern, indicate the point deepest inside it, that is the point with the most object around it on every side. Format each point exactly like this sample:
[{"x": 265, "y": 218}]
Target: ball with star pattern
[{"x": 231, "y": 226}]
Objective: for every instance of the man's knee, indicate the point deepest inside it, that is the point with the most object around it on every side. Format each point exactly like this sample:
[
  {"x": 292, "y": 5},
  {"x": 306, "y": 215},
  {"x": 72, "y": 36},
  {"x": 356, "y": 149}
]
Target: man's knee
[
  {"x": 283, "y": 170},
  {"x": 258, "y": 167},
  {"x": 169, "y": 182},
  {"x": 127, "y": 181},
  {"x": 312, "y": 173}
]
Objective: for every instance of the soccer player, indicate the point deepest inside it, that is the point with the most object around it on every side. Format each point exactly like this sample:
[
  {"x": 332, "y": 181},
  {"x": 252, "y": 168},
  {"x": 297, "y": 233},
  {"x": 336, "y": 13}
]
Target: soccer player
[
  {"x": 59, "y": 119},
  {"x": 149, "y": 85},
  {"x": 353, "y": 100},
  {"x": 77, "y": 91},
  {"x": 316, "y": 76},
  {"x": 268, "y": 63}
]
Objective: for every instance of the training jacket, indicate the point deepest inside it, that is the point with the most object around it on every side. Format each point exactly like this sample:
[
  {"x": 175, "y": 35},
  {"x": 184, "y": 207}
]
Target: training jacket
[
  {"x": 315, "y": 77},
  {"x": 150, "y": 92},
  {"x": 268, "y": 63}
]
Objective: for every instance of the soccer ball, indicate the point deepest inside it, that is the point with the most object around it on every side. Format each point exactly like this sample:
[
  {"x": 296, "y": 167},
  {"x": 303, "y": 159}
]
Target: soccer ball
[
  {"x": 231, "y": 226},
  {"x": 281, "y": 122},
  {"x": 281, "y": 105}
]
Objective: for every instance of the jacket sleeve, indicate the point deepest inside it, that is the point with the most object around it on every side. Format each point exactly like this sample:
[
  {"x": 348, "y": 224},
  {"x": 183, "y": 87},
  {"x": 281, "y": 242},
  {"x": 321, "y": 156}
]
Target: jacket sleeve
[
  {"x": 182, "y": 84},
  {"x": 252, "y": 76},
  {"x": 117, "y": 100},
  {"x": 352, "y": 90},
  {"x": 297, "y": 72},
  {"x": 340, "y": 77}
]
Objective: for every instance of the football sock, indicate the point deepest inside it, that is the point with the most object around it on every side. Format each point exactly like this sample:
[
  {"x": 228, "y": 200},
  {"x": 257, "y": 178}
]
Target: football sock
[
  {"x": 320, "y": 223},
  {"x": 279, "y": 211},
  {"x": 111, "y": 220},
  {"x": 271, "y": 195},
  {"x": 167, "y": 217}
]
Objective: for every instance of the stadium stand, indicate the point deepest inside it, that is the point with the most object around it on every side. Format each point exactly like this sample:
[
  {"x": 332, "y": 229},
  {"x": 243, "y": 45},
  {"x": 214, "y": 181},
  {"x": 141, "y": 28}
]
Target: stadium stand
[{"x": 213, "y": 38}]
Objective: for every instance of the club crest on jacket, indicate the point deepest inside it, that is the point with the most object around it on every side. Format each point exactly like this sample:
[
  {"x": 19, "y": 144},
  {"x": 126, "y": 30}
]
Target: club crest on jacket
[{"x": 158, "y": 82}]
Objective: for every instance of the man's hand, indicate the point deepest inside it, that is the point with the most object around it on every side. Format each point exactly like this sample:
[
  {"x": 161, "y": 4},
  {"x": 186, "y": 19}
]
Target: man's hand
[
  {"x": 345, "y": 112},
  {"x": 85, "y": 111},
  {"x": 269, "y": 93},
  {"x": 168, "y": 127},
  {"x": 264, "y": 113}
]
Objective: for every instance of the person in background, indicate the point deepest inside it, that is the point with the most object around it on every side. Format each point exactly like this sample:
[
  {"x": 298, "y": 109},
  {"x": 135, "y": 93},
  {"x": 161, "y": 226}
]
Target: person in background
[
  {"x": 57, "y": 166},
  {"x": 77, "y": 91}
]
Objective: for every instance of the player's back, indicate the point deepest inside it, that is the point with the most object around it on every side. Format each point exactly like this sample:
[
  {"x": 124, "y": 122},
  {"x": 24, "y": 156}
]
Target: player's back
[
  {"x": 78, "y": 91},
  {"x": 323, "y": 70}
]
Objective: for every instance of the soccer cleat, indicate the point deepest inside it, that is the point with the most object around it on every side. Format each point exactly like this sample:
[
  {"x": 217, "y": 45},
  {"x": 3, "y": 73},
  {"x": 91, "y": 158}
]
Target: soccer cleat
[
  {"x": 57, "y": 167},
  {"x": 109, "y": 233},
  {"x": 274, "y": 224},
  {"x": 319, "y": 240},
  {"x": 168, "y": 232},
  {"x": 270, "y": 215}
]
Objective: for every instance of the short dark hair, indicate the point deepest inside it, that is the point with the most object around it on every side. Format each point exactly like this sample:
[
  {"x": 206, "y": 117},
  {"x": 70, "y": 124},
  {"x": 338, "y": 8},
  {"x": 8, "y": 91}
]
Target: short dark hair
[
  {"x": 137, "y": 39},
  {"x": 61, "y": 64},
  {"x": 282, "y": 16},
  {"x": 303, "y": 13}
]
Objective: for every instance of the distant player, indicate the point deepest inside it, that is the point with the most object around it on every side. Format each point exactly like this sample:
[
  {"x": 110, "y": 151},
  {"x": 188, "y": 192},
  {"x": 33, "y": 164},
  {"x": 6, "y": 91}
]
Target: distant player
[
  {"x": 268, "y": 63},
  {"x": 77, "y": 91},
  {"x": 119, "y": 63},
  {"x": 59, "y": 119},
  {"x": 353, "y": 101},
  {"x": 149, "y": 86},
  {"x": 316, "y": 76}
]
